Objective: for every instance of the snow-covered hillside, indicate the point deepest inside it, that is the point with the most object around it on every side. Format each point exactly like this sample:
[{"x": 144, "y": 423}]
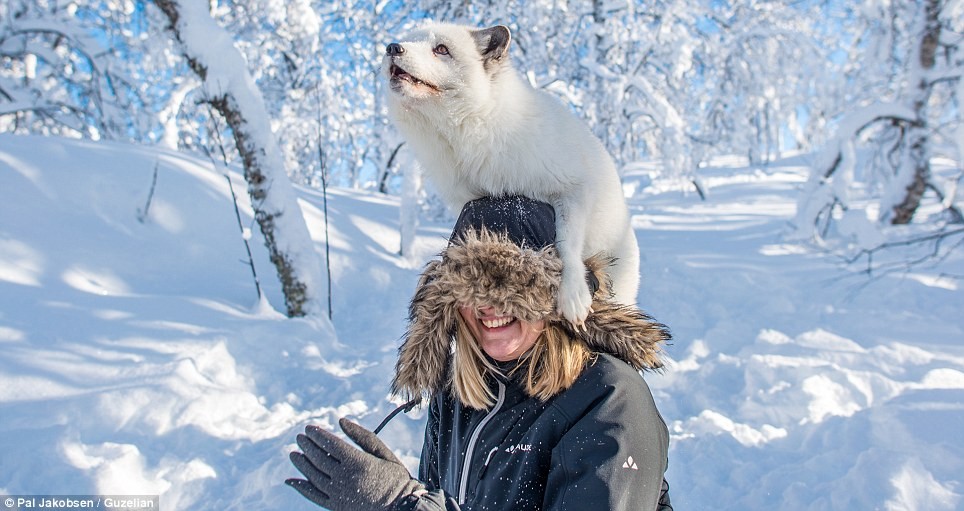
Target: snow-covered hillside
[{"x": 135, "y": 357}]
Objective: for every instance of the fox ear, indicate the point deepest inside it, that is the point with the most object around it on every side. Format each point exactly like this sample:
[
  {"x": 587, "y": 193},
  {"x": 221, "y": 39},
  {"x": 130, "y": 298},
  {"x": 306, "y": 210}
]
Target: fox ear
[{"x": 493, "y": 44}]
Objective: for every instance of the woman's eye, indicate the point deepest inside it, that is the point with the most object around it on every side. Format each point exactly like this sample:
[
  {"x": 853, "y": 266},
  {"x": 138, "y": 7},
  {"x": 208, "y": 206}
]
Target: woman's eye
[{"x": 441, "y": 50}]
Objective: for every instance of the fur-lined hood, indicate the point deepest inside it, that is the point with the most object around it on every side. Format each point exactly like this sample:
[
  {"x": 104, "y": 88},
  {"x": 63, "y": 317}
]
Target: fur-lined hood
[{"x": 482, "y": 269}]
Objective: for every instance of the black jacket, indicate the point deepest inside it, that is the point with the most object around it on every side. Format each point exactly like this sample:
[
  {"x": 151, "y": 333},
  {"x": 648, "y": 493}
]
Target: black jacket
[{"x": 599, "y": 445}]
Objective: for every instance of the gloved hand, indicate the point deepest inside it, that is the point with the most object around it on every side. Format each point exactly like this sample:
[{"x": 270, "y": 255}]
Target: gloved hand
[{"x": 343, "y": 478}]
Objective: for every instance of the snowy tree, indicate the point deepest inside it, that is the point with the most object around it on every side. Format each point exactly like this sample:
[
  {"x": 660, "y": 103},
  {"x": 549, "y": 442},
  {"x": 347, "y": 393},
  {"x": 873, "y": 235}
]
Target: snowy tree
[
  {"x": 876, "y": 85},
  {"x": 670, "y": 79},
  {"x": 910, "y": 124},
  {"x": 916, "y": 143},
  {"x": 764, "y": 63},
  {"x": 878, "y": 168},
  {"x": 230, "y": 89},
  {"x": 56, "y": 77}
]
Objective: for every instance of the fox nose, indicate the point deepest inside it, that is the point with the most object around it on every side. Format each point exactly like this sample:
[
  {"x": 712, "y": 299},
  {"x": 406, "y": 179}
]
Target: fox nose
[{"x": 394, "y": 49}]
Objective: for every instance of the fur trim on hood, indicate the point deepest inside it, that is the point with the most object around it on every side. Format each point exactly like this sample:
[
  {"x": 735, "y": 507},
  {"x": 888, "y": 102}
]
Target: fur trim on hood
[{"x": 482, "y": 269}]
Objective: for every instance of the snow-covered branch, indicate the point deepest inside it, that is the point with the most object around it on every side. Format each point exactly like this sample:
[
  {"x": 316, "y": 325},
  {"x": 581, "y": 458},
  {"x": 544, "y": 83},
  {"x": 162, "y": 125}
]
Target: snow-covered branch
[{"x": 230, "y": 89}]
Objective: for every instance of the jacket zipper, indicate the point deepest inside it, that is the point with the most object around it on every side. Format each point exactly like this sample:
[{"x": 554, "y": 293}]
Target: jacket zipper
[
  {"x": 487, "y": 460},
  {"x": 470, "y": 450}
]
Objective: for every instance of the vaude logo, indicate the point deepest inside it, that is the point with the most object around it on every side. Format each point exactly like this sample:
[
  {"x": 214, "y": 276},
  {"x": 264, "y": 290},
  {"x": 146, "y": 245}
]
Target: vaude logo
[{"x": 518, "y": 448}]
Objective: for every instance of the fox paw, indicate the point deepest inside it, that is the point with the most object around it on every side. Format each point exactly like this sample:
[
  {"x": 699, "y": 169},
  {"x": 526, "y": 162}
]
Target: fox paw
[{"x": 574, "y": 300}]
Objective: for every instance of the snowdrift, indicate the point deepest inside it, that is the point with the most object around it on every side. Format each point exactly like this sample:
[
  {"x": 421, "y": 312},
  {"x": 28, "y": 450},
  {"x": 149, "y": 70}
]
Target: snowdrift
[{"x": 137, "y": 358}]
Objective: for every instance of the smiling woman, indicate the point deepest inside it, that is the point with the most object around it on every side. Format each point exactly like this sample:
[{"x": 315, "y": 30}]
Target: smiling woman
[
  {"x": 526, "y": 411},
  {"x": 503, "y": 338}
]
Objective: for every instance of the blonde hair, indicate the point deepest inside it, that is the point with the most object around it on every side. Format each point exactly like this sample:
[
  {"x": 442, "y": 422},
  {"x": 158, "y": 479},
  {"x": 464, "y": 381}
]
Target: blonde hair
[{"x": 551, "y": 366}]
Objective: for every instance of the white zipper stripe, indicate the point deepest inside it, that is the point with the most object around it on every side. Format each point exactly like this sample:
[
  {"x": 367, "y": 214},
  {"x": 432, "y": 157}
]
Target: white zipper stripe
[
  {"x": 489, "y": 457},
  {"x": 464, "y": 484}
]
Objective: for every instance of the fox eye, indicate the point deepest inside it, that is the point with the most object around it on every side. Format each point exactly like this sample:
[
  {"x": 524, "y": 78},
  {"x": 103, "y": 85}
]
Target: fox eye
[{"x": 441, "y": 50}]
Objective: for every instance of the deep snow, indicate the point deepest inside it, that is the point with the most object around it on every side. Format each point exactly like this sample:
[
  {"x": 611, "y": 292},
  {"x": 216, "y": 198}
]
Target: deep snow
[{"x": 136, "y": 358}]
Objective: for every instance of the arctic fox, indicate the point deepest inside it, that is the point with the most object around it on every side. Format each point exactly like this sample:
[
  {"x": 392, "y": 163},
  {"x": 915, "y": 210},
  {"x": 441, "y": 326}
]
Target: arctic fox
[{"x": 479, "y": 129}]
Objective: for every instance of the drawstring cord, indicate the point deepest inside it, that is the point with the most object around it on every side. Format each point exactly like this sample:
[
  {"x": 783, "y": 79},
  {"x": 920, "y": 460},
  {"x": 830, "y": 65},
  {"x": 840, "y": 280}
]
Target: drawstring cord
[{"x": 407, "y": 407}]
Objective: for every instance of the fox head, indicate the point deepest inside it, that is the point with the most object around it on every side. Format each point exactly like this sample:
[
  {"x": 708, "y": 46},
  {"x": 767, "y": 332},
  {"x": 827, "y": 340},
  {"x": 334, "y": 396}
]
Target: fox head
[{"x": 444, "y": 61}]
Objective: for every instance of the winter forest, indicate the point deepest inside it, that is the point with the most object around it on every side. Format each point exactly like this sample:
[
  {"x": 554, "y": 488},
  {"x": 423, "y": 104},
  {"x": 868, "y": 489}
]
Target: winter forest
[
  {"x": 793, "y": 169},
  {"x": 872, "y": 89}
]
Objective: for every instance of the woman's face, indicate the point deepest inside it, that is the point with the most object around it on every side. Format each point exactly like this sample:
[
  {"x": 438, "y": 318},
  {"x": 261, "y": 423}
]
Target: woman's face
[{"x": 503, "y": 338}]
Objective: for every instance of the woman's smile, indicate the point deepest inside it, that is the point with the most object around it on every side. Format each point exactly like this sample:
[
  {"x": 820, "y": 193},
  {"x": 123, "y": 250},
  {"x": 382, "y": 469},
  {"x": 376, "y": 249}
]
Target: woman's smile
[
  {"x": 492, "y": 323},
  {"x": 500, "y": 336}
]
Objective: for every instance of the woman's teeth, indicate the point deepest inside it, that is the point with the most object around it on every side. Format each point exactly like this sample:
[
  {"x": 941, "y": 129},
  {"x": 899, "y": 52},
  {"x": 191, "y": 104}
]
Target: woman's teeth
[{"x": 496, "y": 322}]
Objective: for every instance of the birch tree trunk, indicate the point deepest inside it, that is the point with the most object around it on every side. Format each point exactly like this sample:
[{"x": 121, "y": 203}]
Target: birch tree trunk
[
  {"x": 211, "y": 54},
  {"x": 914, "y": 170}
]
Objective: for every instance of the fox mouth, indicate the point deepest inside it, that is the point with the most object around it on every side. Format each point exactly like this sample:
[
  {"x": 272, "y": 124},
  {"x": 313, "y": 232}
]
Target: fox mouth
[{"x": 399, "y": 75}]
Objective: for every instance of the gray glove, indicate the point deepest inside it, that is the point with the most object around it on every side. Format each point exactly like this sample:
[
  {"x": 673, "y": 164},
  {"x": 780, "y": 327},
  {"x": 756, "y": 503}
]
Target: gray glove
[{"x": 343, "y": 478}]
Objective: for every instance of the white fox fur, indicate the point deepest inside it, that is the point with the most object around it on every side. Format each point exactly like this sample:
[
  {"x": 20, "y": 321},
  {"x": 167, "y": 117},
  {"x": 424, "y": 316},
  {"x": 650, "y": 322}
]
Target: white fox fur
[{"x": 479, "y": 129}]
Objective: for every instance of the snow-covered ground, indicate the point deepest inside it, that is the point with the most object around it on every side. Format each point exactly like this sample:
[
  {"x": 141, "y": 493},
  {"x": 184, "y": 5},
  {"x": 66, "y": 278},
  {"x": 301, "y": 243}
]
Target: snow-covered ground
[{"x": 136, "y": 359}]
